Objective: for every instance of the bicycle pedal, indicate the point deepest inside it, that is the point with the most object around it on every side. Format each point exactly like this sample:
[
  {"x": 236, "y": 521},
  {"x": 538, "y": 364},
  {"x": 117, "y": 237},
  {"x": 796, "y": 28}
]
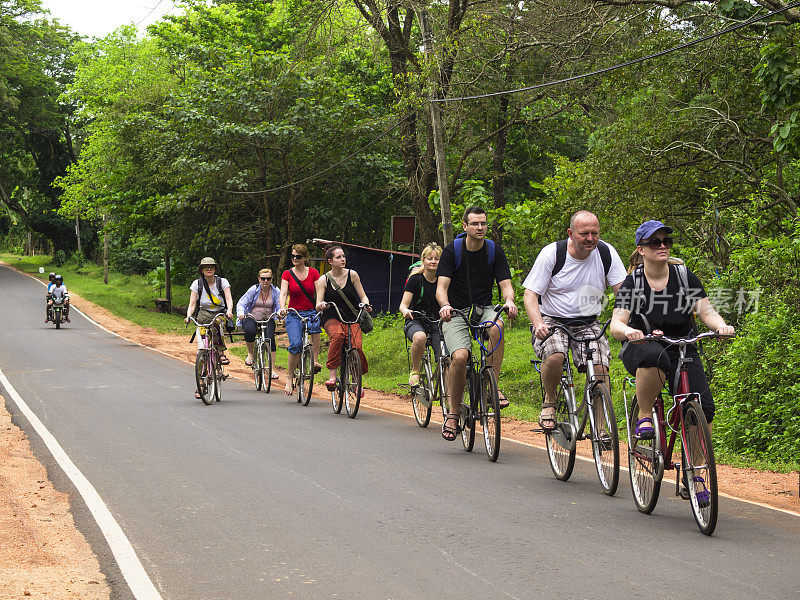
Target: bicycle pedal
[
  {"x": 225, "y": 376},
  {"x": 683, "y": 493}
]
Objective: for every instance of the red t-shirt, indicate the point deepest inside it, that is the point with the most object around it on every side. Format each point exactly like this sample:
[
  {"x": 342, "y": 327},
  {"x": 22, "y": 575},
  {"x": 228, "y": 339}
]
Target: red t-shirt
[{"x": 297, "y": 299}]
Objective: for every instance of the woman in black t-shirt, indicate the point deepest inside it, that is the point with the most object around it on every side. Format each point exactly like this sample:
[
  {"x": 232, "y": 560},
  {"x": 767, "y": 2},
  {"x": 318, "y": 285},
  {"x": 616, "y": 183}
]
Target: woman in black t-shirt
[
  {"x": 420, "y": 295},
  {"x": 660, "y": 305}
]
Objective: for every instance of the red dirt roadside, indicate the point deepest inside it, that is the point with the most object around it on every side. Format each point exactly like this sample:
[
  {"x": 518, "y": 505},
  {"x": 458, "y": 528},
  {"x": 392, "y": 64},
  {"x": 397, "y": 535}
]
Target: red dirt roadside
[{"x": 44, "y": 556}]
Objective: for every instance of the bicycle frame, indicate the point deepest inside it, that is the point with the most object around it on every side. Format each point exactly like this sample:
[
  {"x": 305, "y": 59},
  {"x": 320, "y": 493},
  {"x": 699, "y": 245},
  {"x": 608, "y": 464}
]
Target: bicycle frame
[
  {"x": 578, "y": 414},
  {"x": 673, "y": 417},
  {"x": 429, "y": 362},
  {"x": 475, "y": 366}
]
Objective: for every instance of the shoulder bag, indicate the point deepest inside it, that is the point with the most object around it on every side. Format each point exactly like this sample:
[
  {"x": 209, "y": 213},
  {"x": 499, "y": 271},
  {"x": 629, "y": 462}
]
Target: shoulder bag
[{"x": 366, "y": 319}]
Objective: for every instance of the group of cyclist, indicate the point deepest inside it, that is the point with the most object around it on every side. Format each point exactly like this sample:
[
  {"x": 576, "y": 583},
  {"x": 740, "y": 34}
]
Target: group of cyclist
[
  {"x": 567, "y": 285},
  {"x": 303, "y": 300},
  {"x": 56, "y": 290}
]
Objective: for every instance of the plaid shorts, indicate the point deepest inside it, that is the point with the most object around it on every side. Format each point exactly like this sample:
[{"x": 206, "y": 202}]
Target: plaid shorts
[{"x": 558, "y": 342}]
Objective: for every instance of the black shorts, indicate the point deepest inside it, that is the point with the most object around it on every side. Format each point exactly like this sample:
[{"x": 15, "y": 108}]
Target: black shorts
[
  {"x": 415, "y": 325},
  {"x": 250, "y": 328},
  {"x": 654, "y": 354}
]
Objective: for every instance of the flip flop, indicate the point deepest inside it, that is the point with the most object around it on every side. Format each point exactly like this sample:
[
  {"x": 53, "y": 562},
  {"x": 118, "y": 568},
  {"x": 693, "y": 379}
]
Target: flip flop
[
  {"x": 502, "y": 401},
  {"x": 249, "y": 364}
]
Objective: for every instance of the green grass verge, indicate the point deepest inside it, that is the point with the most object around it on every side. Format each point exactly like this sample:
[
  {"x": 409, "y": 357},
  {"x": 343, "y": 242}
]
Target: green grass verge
[{"x": 131, "y": 297}]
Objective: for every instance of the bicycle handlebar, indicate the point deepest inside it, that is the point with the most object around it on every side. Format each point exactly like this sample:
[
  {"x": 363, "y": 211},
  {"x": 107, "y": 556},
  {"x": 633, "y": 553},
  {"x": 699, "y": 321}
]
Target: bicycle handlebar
[
  {"x": 578, "y": 340},
  {"x": 210, "y": 323},
  {"x": 299, "y": 316},
  {"x": 361, "y": 307},
  {"x": 421, "y": 314},
  {"x": 272, "y": 317},
  {"x": 498, "y": 308},
  {"x": 683, "y": 341}
]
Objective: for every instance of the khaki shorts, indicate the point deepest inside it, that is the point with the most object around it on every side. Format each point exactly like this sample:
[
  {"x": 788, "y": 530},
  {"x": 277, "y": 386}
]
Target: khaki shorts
[
  {"x": 456, "y": 332},
  {"x": 559, "y": 342}
]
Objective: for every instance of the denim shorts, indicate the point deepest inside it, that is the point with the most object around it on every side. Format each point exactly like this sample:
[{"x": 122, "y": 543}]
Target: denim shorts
[{"x": 294, "y": 328}]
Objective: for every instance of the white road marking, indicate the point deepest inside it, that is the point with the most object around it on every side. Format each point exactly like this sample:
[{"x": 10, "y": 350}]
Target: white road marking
[{"x": 132, "y": 570}]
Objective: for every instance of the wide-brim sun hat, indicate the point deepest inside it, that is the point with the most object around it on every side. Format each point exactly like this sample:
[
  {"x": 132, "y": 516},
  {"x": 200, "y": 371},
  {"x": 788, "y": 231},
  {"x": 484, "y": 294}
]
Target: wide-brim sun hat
[
  {"x": 648, "y": 228},
  {"x": 206, "y": 262}
]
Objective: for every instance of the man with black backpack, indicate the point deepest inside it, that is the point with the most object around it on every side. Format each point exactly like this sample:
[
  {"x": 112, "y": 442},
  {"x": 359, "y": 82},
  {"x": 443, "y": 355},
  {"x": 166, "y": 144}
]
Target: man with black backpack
[
  {"x": 567, "y": 285},
  {"x": 467, "y": 270}
]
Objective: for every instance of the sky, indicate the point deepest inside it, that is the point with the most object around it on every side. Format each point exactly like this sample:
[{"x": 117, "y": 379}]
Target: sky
[{"x": 97, "y": 18}]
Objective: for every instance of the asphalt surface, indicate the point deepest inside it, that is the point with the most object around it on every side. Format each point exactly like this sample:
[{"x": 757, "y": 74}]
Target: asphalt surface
[{"x": 259, "y": 497}]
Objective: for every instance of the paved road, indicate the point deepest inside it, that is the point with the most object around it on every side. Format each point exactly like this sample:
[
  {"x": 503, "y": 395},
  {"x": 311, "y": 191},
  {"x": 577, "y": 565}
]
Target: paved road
[{"x": 258, "y": 497}]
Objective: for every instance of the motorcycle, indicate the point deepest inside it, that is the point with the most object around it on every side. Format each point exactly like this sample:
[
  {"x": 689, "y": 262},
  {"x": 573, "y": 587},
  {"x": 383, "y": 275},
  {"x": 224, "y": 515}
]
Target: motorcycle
[{"x": 58, "y": 312}]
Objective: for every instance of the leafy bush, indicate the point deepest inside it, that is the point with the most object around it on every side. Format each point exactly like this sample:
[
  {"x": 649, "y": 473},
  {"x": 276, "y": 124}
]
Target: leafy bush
[
  {"x": 136, "y": 255},
  {"x": 59, "y": 258},
  {"x": 757, "y": 388}
]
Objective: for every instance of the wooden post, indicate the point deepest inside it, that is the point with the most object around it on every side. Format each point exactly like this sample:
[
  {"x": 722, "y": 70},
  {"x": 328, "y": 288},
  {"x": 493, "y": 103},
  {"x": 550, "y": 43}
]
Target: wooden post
[
  {"x": 168, "y": 280},
  {"x": 105, "y": 251},
  {"x": 438, "y": 136},
  {"x": 78, "y": 235}
]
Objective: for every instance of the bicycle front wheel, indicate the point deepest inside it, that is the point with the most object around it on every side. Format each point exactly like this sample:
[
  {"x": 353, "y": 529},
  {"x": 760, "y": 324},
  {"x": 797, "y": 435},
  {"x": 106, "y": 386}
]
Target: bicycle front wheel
[
  {"x": 444, "y": 396},
  {"x": 700, "y": 468},
  {"x": 467, "y": 423},
  {"x": 266, "y": 366},
  {"x": 605, "y": 440},
  {"x": 422, "y": 398},
  {"x": 559, "y": 442},
  {"x": 258, "y": 373},
  {"x": 202, "y": 376},
  {"x": 352, "y": 383},
  {"x": 490, "y": 414},
  {"x": 305, "y": 380},
  {"x": 644, "y": 464},
  {"x": 216, "y": 375}
]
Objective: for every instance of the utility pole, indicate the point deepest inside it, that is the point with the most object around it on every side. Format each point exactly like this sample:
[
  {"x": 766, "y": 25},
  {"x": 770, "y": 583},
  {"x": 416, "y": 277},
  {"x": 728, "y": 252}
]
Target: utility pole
[
  {"x": 78, "y": 235},
  {"x": 438, "y": 137},
  {"x": 105, "y": 251},
  {"x": 168, "y": 279}
]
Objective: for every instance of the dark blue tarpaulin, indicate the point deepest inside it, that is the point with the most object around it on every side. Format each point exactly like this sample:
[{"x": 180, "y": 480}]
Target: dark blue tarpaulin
[{"x": 383, "y": 272}]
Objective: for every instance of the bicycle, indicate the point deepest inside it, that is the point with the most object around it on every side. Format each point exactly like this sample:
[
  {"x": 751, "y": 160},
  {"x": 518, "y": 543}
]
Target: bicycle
[
  {"x": 596, "y": 408},
  {"x": 432, "y": 385},
  {"x": 208, "y": 370},
  {"x": 348, "y": 388},
  {"x": 303, "y": 377},
  {"x": 649, "y": 458},
  {"x": 484, "y": 398},
  {"x": 262, "y": 355}
]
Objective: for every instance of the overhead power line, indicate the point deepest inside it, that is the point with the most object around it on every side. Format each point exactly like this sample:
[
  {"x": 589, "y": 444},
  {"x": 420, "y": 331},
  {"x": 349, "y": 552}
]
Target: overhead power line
[{"x": 625, "y": 64}]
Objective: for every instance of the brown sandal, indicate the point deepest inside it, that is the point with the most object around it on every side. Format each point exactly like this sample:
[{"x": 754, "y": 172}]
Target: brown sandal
[{"x": 551, "y": 419}]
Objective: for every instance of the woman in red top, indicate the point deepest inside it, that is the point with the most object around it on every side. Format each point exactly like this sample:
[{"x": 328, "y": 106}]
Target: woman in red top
[{"x": 297, "y": 286}]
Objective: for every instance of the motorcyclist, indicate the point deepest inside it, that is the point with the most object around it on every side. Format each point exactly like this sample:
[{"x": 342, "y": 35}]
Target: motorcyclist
[
  {"x": 48, "y": 296},
  {"x": 59, "y": 290}
]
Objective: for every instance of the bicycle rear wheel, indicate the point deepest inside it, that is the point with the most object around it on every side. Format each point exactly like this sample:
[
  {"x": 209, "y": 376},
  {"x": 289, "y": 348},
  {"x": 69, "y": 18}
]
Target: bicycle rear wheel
[
  {"x": 202, "y": 376},
  {"x": 352, "y": 382},
  {"x": 305, "y": 383},
  {"x": 605, "y": 440},
  {"x": 422, "y": 398},
  {"x": 337, "y": 395},
  {"x": 258, "y": 373},
  {"x": 559, "y": 442},
  {"x": 490, "y": 414},
  {"x": 700, "y": 468},
  {"x": 644, "y": 464}
]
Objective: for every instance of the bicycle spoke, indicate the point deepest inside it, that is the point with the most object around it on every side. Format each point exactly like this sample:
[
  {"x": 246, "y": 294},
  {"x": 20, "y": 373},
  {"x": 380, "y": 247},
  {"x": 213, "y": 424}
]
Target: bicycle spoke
[{"x": 700, "y": 467}]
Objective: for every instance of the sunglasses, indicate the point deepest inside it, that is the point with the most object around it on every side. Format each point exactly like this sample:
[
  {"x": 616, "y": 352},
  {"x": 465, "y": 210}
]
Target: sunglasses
[
  {"x": 265, "y": 278},
  {"x": 655, "y": 243},
  {"x": 296, "y": 257}
]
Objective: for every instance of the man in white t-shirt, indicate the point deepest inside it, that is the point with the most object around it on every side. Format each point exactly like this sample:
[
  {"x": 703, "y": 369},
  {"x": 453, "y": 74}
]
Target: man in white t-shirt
[
  {"x": 567, "y": 285},
  {"x": 58, "y": 291}
]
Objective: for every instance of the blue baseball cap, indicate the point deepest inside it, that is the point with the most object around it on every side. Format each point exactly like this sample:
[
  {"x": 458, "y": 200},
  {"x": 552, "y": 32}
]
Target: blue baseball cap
[{"x": 648, "y": 228}]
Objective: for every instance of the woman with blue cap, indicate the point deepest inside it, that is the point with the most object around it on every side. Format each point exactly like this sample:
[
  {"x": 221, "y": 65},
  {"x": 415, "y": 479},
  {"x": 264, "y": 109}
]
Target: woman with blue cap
[{"x": 659, "y": 297}]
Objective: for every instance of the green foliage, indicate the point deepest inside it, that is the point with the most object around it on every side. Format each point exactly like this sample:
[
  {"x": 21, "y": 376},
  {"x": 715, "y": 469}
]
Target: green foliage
[
  {"x": 757, "y": 389},
  {"x": 60, "y": 258}
]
